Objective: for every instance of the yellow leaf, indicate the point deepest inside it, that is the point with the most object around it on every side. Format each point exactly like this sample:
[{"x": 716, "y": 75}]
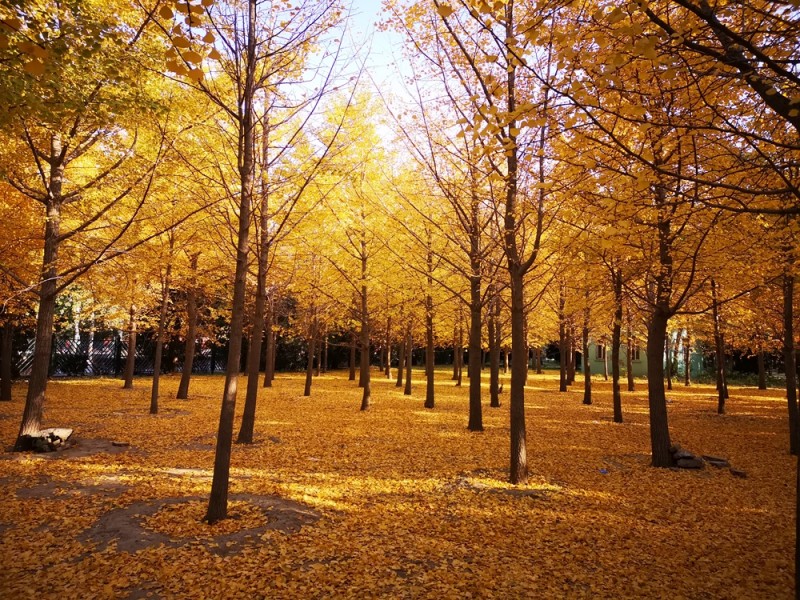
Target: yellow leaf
[
  {"x": 192, "y": 57},
  {"x": 214, "y": 55},
  {"x": 444, "y": 10},
  {"x": 196, "y": 74},
  {"x": 209, "y": 38},
  {"x": 180, "y": 42},
  {"x": 166, "y": 12},
  {"x": 34, "y": 67}
]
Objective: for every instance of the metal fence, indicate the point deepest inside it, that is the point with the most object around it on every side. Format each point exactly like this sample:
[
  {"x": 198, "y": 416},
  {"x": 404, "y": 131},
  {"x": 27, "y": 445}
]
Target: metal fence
[{"x": 90, "y": 354}]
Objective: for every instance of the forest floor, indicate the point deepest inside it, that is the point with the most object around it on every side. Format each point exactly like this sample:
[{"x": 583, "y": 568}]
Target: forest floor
[{"x": 398, "y": 501}]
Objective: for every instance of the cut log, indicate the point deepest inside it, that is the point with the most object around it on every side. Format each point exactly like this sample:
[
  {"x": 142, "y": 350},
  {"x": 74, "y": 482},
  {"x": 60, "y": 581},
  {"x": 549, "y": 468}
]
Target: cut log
[{"x": 49, "y": 440}]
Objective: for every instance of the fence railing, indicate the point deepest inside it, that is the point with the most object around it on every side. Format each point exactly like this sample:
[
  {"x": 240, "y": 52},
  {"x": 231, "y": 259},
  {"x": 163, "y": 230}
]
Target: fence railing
[{"x": 91, "y": 354}]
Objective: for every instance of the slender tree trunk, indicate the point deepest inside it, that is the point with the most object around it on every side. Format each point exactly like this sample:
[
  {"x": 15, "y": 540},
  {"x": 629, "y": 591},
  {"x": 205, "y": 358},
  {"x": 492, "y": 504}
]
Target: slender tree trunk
[
  {"x": 659, "y": 425},
  {"x": 409, "y": 357},
  {"x": 352, "y": 376},
  {"x": 311, "y": 343},
  {"x": 616, "y": 341},
  {"x": 37, "y": 383},
  {"x": 459, "y": 356},
  {"x": 455, "y": 352},
  {"x": 539, "y": 361},
  {"x": 247, "y": 427},
  {"x": 587, "y": 367},
  {"x": 191, "y": 336},
  {"x": 365, "y": 374},
  {"x": 325, "y": 354},
  {"x": 429, "y": 348},
  {"x": 218, "y": 500},
  {"x": 474, "y": 356},
  {"x": 401, "y": 355},
  {"x": 629, "y": 356},
  {"x": 130, "y": 359},
  {"x": 562, "y": 341},
  {"x": 719, "y": 349},
  {"x": 789, "y": 361},
  {"x": 269, "y": 341},
  {"x": 519, "y": 367},
  {"x": 668, "y": 358},
  {"x": 494, "y": 351},
  {"x": 318, "y": 369},
  {"x": 605, "y": 362},
  {"x": 162, "y": 324},
  {"x": 762, "y": 372},
  {"x": 687, "y": 360},
  {"x": 6, "y": 357},
  {"x": 570, "y": 352},
  {"x": 388, "y": 371}
]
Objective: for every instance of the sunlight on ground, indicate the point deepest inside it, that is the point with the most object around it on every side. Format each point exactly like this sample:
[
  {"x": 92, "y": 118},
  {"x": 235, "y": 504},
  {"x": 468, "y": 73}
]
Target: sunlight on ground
[{"x": 410, "y": 503}]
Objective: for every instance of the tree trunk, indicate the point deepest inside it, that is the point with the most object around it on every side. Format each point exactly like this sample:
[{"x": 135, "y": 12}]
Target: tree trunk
[
  {"x": 455, "y": 352},
  {"x": 587, "y": 367},
  {"x": 429, "y": 348},
  {"x": 218, "y": 500},
  {"x": 719, "y": 350},
  {"x": 459, "y": 355},
  {"x": 519, "y": 367},
  {"x": 571, "y": 352},
  {"x": 325, "y": 354},
  {"x": 562, "y": 341},
  {"x": 248, "y": 424},
  {"x": 130, "y": 359},
  {"x": 37, "y": 383},
  {"x": 539, "y": 361},
  {"x": 401, "y": 355},
  {"x": 318, "y": 368},
  {"x": 474, "y": 356},
  {"x": 616, "y": 341},
  {"x": 605, "y": 362},
  {"x": 629, "y": 356},
  {"x": 762, "y": 371},
  {"x": 352, "y": 376},
  {"x": 269, "y": 341},
  {"x": 659, "y": 425},
  {"x": 409, "y": 356},
  {"x": 6, "y": 356},
  {"x": 687, "y": 361},
  {"x": 191, "y": 337},
  {"x": 388, "y": 371},
  {"x": 162, "y": 324},
  {"x": 668, "y": 359},
  {"x": 494, "y": 350},
  {"x": 311, "y": 342},
  {"x": 365, "y": 374},
  {"x": 789, "y": 361}
]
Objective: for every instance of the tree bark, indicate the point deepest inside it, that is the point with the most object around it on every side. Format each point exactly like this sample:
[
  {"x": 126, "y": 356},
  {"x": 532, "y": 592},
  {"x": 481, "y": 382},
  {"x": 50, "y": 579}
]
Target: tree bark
[
  {"x": 719, "y": 348},
  {"x": 269, "y": 342},
  {"x": 616, "y": 340},
  {"x": 409, "y": 356},
  {"x": 789, "y": 358},
  {"x": 6, "y": 357},
  {"x": 659, "y": 426},
  {"x": 162, "y": 324},
  {"x": 388, "y": 371},
  {"x": 311, "y": 349},
  {"x": 352, "y": 375},
  {"x": 562, "y": 341},
  {"x": 218, "y": 500},
  {"x": 365, "y": 374},
  {"x": 519, "y": 367},
  {"x": 130, "y": 359},
  {"x": 494, "y": 350},
  {"x": 401, "y": 355},
  {"x": 587, "y": 367},
  {"x": 668, "y": 359},
  {"x": 629, "y": 356},
  {"x": 474, "y": 356},
  {"x": 687, "y": 360},
  {"x": 570, "y": 352},
  {"x": 191, "y": 337},
  {"x": 429, "y": 348},
  {"x": 37, "y": 383}
]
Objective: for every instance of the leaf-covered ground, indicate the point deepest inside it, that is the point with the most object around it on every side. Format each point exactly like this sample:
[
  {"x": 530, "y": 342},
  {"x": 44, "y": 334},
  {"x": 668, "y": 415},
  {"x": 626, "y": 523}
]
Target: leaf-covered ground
[{"x": 399, "y": 501}]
